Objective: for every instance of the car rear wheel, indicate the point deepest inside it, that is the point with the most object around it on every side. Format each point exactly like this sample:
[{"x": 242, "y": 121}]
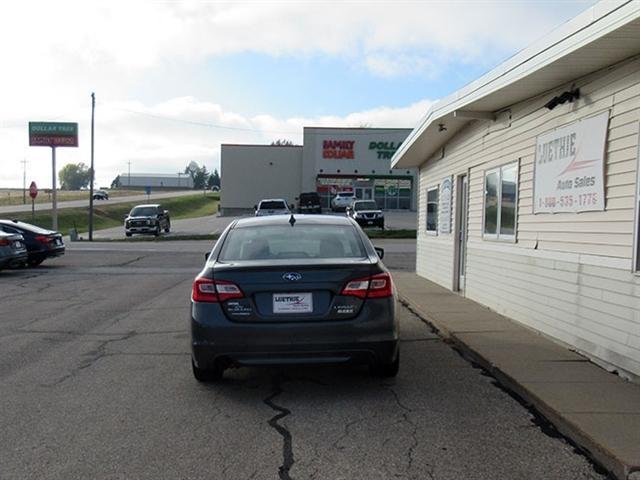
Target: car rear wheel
[
  {"x": 386, "y": 370},
  {"x": 35, "y": 262},
  {"x": 128, "y": 234},
  {"x": 207, "y": 375},
  {"x": 156, "y": 233},
  {"x": 167, "y": 228}
]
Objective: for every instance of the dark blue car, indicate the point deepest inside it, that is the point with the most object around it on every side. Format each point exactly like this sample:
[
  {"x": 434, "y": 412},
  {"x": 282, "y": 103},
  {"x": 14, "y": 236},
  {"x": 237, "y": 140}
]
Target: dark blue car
[
  {"x": 41, "y": 243},
  {"x": 309, "y": 289}
]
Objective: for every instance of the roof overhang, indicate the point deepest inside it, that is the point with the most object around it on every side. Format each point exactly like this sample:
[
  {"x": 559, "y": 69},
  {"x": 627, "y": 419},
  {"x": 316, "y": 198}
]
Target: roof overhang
[{"x": 604, "y": 35}]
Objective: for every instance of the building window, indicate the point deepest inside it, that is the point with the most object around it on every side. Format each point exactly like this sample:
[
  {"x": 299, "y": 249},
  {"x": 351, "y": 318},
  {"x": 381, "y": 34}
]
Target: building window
[
  {"x": 432, "y": 210},
  {"x": 501, "y": 202}
]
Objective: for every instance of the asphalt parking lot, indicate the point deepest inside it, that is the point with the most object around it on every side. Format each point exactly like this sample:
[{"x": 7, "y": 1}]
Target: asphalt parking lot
[
  {"x": 396, "y": 220},
  {"x": 96, "y": 383}
]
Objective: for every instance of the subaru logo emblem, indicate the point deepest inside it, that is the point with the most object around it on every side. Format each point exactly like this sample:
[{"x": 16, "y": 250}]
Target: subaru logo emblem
[{"x": 292, "y": 277}]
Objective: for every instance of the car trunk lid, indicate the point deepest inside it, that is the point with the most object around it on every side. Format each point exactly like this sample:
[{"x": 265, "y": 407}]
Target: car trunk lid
[{"x": 292, "y": 291}]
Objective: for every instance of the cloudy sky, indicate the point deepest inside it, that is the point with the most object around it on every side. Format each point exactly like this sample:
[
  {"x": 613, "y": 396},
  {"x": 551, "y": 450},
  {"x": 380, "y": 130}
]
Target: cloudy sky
[{"x": 175, "y": 79}]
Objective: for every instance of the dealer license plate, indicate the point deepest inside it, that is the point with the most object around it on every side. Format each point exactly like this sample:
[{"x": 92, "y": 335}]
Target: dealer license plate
[{"x": 292, "y": 303}]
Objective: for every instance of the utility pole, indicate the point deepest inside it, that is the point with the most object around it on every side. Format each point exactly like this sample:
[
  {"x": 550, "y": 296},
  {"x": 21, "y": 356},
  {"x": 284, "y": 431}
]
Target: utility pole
[
  {"x": 92, "y": 175},
  {"x": 24, "y": 180},
  {"x": 129, "y": 163},
  {"x": 54, "y": 203}
]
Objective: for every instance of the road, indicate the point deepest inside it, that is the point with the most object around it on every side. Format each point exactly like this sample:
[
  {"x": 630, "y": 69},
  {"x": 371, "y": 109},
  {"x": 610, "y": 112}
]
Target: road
[
  {"x": 142, "y": 198},
  {"x": 96, "y": 383}
]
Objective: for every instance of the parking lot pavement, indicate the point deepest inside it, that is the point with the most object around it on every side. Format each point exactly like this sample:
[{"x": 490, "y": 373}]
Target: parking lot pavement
[
  {"x": 211, "y": 224},
  {"x": 96, "y": 383},
  {"x": 215, "y": 225}
]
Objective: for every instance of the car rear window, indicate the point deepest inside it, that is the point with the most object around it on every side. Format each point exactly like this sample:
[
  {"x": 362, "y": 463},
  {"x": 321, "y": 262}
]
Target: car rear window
[
  {"x": 143, "y": 211},
  {"x": 365, "y": 206},
  {"x": 345, "y": 194},
  {"x": 283, "y": 242},
  {"x": 272, "y": 205},
  {"x": 309, "y": 197}
]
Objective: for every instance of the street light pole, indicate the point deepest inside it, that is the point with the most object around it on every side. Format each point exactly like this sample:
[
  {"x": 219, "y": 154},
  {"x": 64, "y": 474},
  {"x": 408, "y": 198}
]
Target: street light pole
[{"x": 92, "y": 176}]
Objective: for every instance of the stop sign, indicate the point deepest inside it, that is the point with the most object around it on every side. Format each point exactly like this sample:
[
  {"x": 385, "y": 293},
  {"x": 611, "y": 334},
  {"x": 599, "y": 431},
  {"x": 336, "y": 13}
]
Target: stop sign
[{"x": 33, "y": 190}]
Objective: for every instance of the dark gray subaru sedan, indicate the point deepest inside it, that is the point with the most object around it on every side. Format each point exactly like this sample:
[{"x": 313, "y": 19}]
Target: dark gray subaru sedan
[{"x": 309, "y": 289}]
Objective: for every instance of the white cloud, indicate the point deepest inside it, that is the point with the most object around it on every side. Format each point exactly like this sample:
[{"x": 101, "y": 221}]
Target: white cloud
[
  {"x": 127, "y": 37},
  {"x": 165, "y": 137},
  {"x": 55, "y": 53}
]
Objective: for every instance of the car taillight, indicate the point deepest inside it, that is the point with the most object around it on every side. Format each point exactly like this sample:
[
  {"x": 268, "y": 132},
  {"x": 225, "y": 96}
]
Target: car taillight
[
  {"x": 44, "y": 239},
  {"x": 214, "y": 291},
  {"x": 4, "y": 242},
  {"x": 375, "y": 286}
]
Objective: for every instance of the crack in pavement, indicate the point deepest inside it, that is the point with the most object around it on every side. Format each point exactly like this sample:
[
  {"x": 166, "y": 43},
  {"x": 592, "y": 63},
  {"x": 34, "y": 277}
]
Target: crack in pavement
[
  {"x": 95, "y": 355},
  {"x": 414, "y": 430},
  {"x": 287, "y": 441}
]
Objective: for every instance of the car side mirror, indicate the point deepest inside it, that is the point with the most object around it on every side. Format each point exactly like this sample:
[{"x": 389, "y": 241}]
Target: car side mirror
[
  {"x": 293, "y": 206},
  {"x": 206, "y": 255},
  {"x": 166, "y": 212},
  {"x": 380, "y": 252},
  {"x": 255, "y": 207}
]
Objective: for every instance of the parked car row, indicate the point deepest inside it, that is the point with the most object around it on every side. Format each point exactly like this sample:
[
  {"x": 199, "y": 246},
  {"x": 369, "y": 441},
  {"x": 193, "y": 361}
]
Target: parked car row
[
  {"x": 365, "y": 212},
  {"x": 23, "y": 244}
]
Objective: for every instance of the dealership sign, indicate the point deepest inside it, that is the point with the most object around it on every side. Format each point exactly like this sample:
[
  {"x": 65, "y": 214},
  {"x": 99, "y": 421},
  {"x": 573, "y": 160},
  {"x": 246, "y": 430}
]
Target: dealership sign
[
  {"x": 445, "y": 206},
  {"x": 569, "y": 167},
  {"x": 53, "y": 134}
]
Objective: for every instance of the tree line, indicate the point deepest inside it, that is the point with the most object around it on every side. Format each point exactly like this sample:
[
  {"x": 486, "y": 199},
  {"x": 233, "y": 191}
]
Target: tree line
[{"x": 76, "y": 176}]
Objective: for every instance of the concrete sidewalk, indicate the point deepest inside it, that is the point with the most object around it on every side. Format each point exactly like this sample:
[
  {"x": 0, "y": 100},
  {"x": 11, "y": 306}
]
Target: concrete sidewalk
[{"x": 598, "y": 410}]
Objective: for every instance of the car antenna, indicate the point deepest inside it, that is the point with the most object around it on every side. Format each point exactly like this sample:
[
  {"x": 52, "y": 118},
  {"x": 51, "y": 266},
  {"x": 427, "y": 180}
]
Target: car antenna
[{"x": 292, "y": 220}]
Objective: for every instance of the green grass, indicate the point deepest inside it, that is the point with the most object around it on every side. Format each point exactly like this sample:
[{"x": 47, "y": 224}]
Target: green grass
[
  {"x": 107, "y": 216},
  {"x": 391, "y": 233},
  {"x": 13, "y": 196}
]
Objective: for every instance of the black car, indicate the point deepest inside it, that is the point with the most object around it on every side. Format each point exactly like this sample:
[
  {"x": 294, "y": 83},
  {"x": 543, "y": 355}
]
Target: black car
[
  {"x": 41, "y": 243},
  {"x": 147, "y": 219},
  {"x": 100, "y": 195},
  {"x": 366, "y": 213},
  {"x": 309, "y": 203},
  {"x": 13, "y": 252},
  {"x": 307, "y": 289}
]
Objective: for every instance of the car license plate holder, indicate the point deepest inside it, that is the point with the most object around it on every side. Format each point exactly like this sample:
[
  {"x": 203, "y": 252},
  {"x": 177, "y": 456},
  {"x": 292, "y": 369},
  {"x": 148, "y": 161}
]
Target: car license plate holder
[{"x": 291, "y": 303}]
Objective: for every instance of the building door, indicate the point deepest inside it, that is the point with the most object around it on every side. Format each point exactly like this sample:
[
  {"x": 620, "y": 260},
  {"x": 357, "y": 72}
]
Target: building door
[
  {"x": 462, "y": 204},
  {"x": 364, "y": 193}
]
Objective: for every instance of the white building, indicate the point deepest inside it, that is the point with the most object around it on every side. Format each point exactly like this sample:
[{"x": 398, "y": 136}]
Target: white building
[
  {"x": 331, "y": 160},
  {"x": 156, "y": 180},
  {"x": 529, "y": 205}
]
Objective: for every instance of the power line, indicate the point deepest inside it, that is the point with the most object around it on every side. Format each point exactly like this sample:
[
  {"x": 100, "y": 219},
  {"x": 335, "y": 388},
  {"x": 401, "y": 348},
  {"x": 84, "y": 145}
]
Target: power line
[
  {"x": 200, "y": 124},
  {"x": 247, "y": 129}
]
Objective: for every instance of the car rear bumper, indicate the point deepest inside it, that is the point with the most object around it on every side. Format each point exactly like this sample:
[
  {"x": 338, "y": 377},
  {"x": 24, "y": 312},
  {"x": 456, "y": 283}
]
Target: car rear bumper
[
  {"x": 146, "y": 229},
  {"x": 370, "y": 222},
  {"x": 372, "y": 336},
  {"x": 46, "y": 253},
  {"x": 13, "y": 260}
]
